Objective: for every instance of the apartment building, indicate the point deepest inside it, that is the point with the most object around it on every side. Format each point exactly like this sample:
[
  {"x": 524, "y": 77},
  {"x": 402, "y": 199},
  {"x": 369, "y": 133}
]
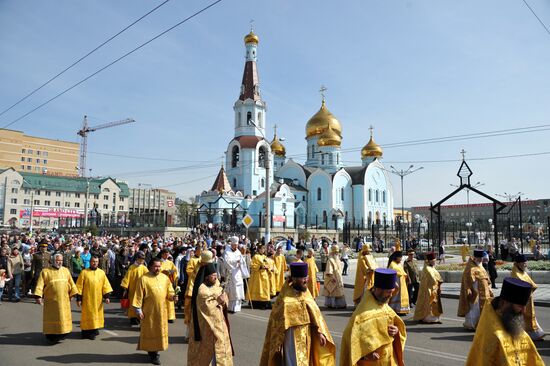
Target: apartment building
[
  {"x": 31, "y": 154},
  {"x": 57, "y": 201},
  {"x": 152, "y": 206}
]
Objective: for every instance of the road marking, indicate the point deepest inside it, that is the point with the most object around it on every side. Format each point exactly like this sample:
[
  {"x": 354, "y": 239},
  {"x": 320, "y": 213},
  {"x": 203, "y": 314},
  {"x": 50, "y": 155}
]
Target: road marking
[
  {"x": 453, "y": 319},
  {"x": 424, "y": 351},
  {"x": 110, "y": 332}
]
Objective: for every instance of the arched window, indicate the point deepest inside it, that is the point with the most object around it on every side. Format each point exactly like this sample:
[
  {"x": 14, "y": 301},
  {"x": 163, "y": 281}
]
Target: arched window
[
  {"x": 322, "y": 159},
  {"x": 261, "y": 157},
  {"x": 248, "y": 117},
  {"x": 234, "y": 182},
  {"x": 235, "y": 157},
  {"x": 376, "y": 196},
  {"x": 260, "y": 122},
  {"x": 370, "y": 195},
  {"x": 263, "y": 182},
  {"x": 383, "y": 196},
  {"x": 342, "y": 194},
  {"x": 319, "y": 194}
]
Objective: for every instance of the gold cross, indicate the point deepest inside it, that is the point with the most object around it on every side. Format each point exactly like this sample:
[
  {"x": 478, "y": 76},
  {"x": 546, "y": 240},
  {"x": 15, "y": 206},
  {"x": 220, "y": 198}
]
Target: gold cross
[
  {"x": 463, "y": 152},
  {"x": 371, "y": 129},
  {"x": 275, "y": 130},
  {"x": 252, "y": 25},
  {"x": 322, "y": 91}
]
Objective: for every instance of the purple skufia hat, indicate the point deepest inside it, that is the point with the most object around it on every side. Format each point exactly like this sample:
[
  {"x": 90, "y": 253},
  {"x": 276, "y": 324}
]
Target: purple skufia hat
[
  {"x": 385, "y": 278},
  {"x": 516, "y": 291},
  {"x": 298, "y": 269}
]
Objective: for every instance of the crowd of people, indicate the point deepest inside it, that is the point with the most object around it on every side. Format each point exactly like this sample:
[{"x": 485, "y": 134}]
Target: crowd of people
[{"x": 210, "y": 276}]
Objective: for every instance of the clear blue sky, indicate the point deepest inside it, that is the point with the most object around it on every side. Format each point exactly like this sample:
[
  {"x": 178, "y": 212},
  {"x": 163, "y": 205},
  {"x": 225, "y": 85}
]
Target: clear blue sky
[{"x": 413, "y": 69}]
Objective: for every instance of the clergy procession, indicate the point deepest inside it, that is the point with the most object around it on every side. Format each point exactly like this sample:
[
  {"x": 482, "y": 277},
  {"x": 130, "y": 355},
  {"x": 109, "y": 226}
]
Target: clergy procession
[{"x": 210, "y": 280}]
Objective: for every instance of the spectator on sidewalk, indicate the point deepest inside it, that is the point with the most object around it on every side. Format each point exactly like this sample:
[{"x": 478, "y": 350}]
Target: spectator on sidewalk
[{"x": 15, "y": 269}]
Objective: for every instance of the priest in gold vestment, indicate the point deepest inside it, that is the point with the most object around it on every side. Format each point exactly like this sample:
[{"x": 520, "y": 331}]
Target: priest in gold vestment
[
  {"x": 312, "y": 273},
  {"x": 297, "y": 333},
  {"x": 209, "y": 338},
  {"x": 259, "y": 286},
  {"x": 532, "y": 326},
  {"x": 54, "y": 289},
  {"x": 500, "y": 337},
  {"x": 428, "y": 305},
  {"x": 129, "y": 284},
  {"x": 93, "y": 288},
  {"x": 149, "y": 303},
  {"x": 375, "y": 334},
  {"x": 280, "y": 264},
  {"x": 333, "y": 287},
  {"x": 272, "y": 273},
  {"x": 475, "y": 290},
  {"x": 200, "y": 259},
  {"x": 364, "y": 275},
  {"x": 400, "y": 299},
  {"x": 169, "y": 269}
]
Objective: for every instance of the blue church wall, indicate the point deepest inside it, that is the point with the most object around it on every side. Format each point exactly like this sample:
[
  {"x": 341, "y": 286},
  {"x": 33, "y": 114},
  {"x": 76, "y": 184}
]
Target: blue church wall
[
  {"x": 291, "y": 170},
  {"x": 319, "y": 186},
  {"x": 377, "y": 194},
  {"x": 342, "y": 197}
]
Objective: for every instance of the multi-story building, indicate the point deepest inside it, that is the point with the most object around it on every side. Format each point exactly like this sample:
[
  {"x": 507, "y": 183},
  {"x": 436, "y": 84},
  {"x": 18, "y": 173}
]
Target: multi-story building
[
  {"x": 53, "y": 202},
  {"x": 152, "y": 206},
  {"x": 38, "y": 155}
]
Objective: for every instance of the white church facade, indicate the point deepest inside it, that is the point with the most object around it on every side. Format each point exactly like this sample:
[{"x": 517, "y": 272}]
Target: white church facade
[{"x": 321, "y": 192}]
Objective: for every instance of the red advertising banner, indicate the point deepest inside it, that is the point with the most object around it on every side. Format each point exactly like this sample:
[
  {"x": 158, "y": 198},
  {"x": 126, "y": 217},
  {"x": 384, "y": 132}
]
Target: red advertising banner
[
  {"x": 279, "y": 218},
  {"x": 51, "y": 212}
]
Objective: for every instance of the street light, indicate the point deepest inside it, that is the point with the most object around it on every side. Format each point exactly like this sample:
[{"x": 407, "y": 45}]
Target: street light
[
  {"x": 510, "y": 197},
  {"x": 403, "y": 173},
  {"x": 32, "y": 206},
  {"x": 267, "y": 222}
]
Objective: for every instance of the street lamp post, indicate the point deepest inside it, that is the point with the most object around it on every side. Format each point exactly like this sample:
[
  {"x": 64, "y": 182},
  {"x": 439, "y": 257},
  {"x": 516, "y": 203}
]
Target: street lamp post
[
  {"x": 403, "y": 173},
  {"x": 32, "y": 206},
  {"x": 267, "y": 187},
  {"x": 86, "y": 201}
]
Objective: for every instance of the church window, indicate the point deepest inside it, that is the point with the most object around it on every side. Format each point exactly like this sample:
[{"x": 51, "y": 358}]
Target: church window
[
  {"x": 248, "y": 117},
  {"x": 342, "y": 194},
  {"x": 322, "y": 159},
  {"x": 263, "y": 182},
  {"x": 261, "y": 157},
  {"x": 235, "y": 157},
  {"x": 383, "y": 196},
  {"x": 376, "y": 196},
  {"x": 260, "y": 123},
  {"x": 319, "y": 194},
  {"x": 370, "y": 195},
  {"x": 324, "y": 216},
  {"x": 330, "y": 159},
  {"x": 234, "y": 182}
]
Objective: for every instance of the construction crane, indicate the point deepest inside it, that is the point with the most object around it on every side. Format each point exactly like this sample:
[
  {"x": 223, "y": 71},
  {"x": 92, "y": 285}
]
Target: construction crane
[{"x": 84, "y": 141}]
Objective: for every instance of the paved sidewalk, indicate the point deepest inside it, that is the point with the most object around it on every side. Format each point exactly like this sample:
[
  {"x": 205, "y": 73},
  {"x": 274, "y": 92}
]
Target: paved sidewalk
[{"x": 450, "y": 290}]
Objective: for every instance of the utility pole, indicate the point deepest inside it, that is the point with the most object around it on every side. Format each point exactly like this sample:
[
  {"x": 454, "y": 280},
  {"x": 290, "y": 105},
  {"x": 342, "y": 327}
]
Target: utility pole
[
  {"x": 86, "y": 202},
  {"x": 402, "y": 174}
]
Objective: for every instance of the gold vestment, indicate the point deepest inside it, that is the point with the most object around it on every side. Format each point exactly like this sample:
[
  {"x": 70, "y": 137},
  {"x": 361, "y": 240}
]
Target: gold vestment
[
  {"x": 428, "y": 303},
  {"x": 92, "y": 285},
  {"x": 298, "y": 311},
  {"x": 494, "y": 346},
  {"x": 151, "y": 294},
  {"x": 214, "y": 332},
  {"x": 367, "y": 332},
  {"x": 56, "y": 287},
  {"x": 473, "y": 273},
  {"x": 130, "y": 282}
]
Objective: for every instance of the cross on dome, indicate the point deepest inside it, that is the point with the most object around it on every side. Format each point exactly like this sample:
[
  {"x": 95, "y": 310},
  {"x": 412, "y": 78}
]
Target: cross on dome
[
  {"x": 463, "y": 153},
  {"x": 322, "y": 91}
]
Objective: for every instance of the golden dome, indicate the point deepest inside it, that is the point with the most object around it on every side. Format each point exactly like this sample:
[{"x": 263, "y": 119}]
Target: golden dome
[
  {"x": 329, "y": 138},
  {"x": 372, "y": 149},
  {"x": 251, "y": 38},
  {"x": 277, "y": 148},
  {"x": 320, "y": 121}
]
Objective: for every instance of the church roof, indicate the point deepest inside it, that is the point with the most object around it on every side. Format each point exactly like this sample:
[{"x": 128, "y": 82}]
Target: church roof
[
  {"x": 221, "y": 184},
  {"x": 249, "y": 86},
  {"x": 293, "y": 186},
  {"x": 248, "y": 142},
  {"x": 357, "y": 174}
]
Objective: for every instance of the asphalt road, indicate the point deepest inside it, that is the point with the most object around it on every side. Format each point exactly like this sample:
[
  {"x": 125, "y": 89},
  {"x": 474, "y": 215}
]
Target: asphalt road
[{"x": 22, "y": 342}]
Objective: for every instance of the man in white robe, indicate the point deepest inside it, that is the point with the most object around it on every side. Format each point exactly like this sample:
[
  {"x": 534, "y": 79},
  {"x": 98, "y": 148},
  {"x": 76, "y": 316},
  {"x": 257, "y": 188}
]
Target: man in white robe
[{"x": 234, "y": 266}]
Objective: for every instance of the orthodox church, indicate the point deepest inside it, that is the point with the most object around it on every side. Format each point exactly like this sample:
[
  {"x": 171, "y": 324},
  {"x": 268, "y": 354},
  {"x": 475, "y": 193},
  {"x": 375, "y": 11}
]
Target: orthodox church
[{"x": 322, "y": 192}]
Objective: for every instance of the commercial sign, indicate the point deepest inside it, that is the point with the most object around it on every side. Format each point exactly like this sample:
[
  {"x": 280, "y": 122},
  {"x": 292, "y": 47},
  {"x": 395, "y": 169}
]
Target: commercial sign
[
  {"x": 51, "y": 212},
  {"x": 279, "y": 218},
  {"x": 170, "y": 203}
]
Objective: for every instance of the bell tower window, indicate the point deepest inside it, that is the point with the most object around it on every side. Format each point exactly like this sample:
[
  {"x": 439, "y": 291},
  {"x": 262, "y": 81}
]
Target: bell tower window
[
  {"x": 248, "y": 117},
  {"x": 235, "y": 157}
]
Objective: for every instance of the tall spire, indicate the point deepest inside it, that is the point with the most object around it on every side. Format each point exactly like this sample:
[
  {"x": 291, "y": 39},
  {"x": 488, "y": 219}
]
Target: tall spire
[{"x": 250, "y": 86}]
